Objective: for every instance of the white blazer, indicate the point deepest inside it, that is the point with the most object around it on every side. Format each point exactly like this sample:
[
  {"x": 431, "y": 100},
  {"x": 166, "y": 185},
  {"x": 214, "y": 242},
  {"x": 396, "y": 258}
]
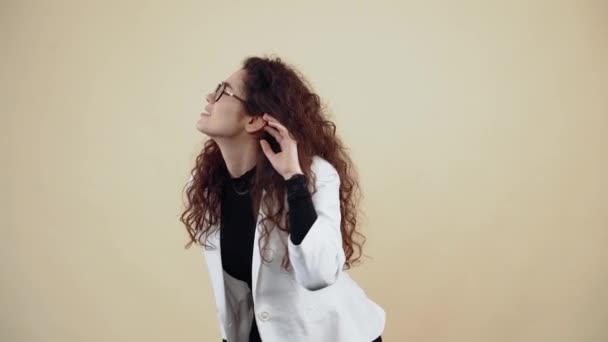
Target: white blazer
[{"x": 316, "y": 301}]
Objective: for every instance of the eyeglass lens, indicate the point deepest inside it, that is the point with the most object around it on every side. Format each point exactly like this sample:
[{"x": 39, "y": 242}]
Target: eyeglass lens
[{"x": 218, "y": 92}]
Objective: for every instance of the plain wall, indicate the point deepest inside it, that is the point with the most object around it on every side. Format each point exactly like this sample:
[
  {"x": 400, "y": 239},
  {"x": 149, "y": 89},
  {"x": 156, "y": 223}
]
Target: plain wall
[{"x": 478, "y": 129}]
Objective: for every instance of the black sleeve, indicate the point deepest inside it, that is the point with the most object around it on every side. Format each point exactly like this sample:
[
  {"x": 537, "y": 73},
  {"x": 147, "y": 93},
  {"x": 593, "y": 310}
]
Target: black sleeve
[{"x": 302, "y": 212}]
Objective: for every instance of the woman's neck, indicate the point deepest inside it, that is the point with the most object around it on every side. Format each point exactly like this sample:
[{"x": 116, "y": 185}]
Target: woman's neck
[{"x": 239, "y": 156}]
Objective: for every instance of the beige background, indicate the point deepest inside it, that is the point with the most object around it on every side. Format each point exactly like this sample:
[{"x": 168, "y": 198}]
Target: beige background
[{"x": 478, "y": 129}]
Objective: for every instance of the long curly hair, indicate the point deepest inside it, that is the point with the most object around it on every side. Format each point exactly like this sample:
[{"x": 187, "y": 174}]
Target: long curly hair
[{"x": 271, "y": 86}]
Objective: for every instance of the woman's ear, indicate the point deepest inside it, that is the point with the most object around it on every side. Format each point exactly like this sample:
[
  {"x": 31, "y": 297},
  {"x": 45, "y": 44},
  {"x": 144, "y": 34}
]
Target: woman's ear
[{"x": 255, "y": 124}]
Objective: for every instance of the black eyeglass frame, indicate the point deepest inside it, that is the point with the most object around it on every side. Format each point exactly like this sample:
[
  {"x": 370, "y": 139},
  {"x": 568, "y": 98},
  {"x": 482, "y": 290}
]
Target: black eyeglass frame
[{"x": 221, "y": 90}]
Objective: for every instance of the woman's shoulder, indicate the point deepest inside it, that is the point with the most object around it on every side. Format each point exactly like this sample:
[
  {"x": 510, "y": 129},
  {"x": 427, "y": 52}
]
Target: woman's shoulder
[
  {"x": 322, "y": 165},
  {"x": 322, "y": 168}
]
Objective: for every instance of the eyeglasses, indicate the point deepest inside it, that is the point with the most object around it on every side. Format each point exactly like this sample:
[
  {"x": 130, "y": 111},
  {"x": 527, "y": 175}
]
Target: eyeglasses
[{"x": 221, "y": 90}]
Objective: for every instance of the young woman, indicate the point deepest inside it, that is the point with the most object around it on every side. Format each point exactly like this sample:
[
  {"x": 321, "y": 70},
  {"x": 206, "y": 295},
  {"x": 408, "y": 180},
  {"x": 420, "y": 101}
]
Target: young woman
[{"x": 272, "y": 198}]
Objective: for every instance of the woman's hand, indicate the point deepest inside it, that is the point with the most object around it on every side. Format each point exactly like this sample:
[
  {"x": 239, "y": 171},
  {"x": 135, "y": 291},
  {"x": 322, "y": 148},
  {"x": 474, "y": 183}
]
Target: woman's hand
[{"x": 285, "y": 162}]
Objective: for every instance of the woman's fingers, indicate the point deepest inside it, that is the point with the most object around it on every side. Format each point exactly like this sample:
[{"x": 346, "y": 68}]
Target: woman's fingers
[
  {"x": 274, "y": 132},
  {"x": 267, "y": 149},
  {"x": 278, "y": 127},
  {"x": 283, "y": 131}
]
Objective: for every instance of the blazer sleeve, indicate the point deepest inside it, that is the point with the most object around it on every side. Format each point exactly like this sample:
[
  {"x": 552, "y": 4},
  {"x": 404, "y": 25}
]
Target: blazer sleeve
[{"x": 319, "y": 259}]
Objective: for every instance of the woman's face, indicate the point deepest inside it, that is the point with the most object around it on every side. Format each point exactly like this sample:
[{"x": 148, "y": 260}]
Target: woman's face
[{"x": 227, "y": 117}]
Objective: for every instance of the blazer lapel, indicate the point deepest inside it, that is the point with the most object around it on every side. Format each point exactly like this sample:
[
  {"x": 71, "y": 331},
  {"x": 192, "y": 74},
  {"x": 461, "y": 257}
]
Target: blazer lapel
[
  {"x": 255, "y": 263},
  {"x": 216, "y": 272},
  {"x": 216, "y": 269}
]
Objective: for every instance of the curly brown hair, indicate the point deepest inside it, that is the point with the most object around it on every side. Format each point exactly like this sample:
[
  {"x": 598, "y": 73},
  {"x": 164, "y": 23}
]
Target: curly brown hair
[{"x": 272, "y": 86}]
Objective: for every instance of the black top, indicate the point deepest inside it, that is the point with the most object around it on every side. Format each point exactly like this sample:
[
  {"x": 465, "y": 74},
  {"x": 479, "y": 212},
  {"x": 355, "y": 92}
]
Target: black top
[{"x": 238, "y": 223}]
